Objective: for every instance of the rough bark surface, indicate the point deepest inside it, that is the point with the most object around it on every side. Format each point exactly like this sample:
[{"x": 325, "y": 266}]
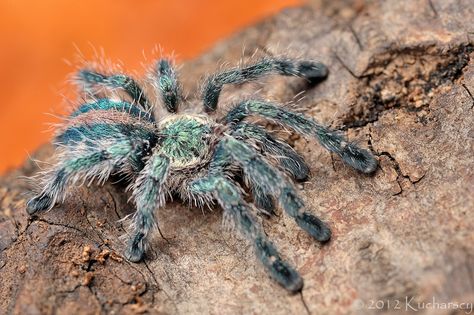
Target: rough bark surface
[{"x": 401, "y": 83}]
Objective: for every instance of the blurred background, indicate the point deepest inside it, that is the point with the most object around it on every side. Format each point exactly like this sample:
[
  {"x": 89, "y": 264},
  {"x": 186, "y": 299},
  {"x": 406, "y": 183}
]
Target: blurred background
[{"x": 38, "y": 37}]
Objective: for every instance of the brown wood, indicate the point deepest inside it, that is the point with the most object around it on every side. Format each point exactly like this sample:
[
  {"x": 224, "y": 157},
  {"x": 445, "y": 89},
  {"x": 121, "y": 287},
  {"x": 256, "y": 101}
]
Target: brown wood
[{"x": 401, "y": 82}]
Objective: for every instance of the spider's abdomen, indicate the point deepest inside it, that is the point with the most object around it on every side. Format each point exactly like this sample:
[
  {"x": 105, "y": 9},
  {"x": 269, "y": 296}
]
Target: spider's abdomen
[
  {"x": 185, "y": 140},
  {"x": 102, "y": 124}
]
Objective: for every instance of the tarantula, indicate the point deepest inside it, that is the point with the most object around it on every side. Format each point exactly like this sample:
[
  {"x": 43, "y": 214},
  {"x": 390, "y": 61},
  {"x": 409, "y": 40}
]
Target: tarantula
[{"x": 199, "y": 158}]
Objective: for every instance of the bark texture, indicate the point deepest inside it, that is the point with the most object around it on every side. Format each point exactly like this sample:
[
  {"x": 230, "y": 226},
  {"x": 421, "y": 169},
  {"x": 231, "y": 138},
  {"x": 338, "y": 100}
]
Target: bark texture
[{"x": 401, "y": 82}]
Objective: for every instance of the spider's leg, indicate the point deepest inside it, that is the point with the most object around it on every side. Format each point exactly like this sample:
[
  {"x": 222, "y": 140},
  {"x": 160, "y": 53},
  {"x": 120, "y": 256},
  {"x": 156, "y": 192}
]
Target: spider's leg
[
  {"x": 102, "y": 123},
  {"x": 287, "y": 157},
  {"x": 92, "y": 79},
  {"x": 230, "y": 199},
  {"x": 313, "y": 71},
  {"x": 149, "y": 195},
  {"x": 261, "y": 199},
  {"x": 79, "y": 163},
  {"x": 168, "y": 85},
  {"x": 92, "y": 144},
  {"x": 350, "y": 153},
  {"x": 274, "y": 183},
  {"x": 105, "y": 104}
]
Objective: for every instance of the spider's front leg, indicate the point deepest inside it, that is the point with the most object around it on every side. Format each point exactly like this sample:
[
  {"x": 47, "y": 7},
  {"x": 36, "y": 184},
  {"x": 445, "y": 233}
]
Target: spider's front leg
[
  {"x": 230, "y": 199},
  {"x": 313, "y": 71},
  {"x": 288, "y": 159},
  {"x": 350, "y": 153},
  {"x": 149, "y": 195},
  {"x": 274, "y": 183}
]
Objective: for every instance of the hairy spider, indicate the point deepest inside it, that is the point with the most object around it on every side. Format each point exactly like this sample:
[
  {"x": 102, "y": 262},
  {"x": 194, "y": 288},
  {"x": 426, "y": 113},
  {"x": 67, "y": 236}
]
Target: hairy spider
[{"x": 195, "y": 156}]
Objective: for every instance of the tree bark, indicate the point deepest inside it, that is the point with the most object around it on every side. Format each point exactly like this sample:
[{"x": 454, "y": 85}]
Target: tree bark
[{"x": 401, "y": 82}]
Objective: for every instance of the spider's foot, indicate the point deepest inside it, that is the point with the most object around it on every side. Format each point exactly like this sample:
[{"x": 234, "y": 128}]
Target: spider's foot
[
  {"x": 39, "y": 203},
  {"x": 287, "y": 276},
  {"x": 134, "y": 254},
  {"x": 302, "y": 173},
  {"x": 279, "y": 270},
  {"x": 314, "y": 226},
  {"x": 359, "y": 159},
  {"x": 297, "y": 167},
  {"x": 314, "y": 71},
  {"x": 136, "y": 249}
]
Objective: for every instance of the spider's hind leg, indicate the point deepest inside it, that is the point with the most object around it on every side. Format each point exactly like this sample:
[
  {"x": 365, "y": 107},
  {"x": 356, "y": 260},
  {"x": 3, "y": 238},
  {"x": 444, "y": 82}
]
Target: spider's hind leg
[
  {"x": 149, "y": 195},
  {"x": 78, "y": 164},
  {"x": 167, "y": 85},
  {"x": 229, "y": 197},
  {"x": 92, "y": 79}
]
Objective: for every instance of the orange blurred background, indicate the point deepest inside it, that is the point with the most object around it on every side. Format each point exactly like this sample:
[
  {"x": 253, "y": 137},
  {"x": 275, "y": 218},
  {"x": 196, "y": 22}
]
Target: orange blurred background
[{"x": 37, "y": 36}]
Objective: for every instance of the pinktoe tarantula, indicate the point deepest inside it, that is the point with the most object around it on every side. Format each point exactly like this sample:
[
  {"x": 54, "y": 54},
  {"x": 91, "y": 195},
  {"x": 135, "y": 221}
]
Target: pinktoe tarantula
[{"x": 199, "y": 158}]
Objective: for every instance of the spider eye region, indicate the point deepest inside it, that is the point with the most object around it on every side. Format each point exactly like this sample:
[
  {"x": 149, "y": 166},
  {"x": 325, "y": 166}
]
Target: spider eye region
[{"x": 185, "y": 140}]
